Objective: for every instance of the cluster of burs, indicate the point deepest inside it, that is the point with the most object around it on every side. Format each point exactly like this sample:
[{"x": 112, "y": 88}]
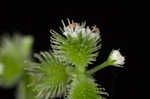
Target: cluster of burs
[{"x": 60, "y": 72}]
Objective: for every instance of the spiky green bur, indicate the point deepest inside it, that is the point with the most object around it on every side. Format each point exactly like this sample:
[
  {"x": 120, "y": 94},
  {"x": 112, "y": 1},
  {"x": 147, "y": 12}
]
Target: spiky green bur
[
  {"x": 84, "y": 87},
  {"x": 80, "y": 45},
  {"x": 13, "y": 53},
  {"x": 51, "y": 76}
]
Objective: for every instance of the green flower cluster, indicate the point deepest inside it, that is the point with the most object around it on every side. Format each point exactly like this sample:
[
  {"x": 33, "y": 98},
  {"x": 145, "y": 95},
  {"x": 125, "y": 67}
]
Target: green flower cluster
[{"x": 61, "y": 72}]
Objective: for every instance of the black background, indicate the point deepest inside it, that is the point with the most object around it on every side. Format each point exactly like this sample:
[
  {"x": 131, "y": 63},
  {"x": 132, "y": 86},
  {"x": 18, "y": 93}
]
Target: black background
[{"x": 114, "y": 26}]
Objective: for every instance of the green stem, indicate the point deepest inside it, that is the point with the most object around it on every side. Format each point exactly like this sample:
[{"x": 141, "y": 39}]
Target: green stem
[{"x": 97, "y": 68}]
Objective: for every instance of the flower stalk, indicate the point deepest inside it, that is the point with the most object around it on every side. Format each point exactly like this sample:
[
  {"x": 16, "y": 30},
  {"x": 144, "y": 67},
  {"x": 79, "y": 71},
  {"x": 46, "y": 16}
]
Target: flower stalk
[
  {"x": 115, "y": 59},
  {"x": 98, "y": 68}
]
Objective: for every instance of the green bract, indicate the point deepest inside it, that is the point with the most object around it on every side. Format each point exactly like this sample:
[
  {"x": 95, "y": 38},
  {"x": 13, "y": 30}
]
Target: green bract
[
  {"x": 50, "y": 75},
  {"x": 84, "y": 87},
  {"x": 13, "y": 53},
  {"x": 79, "y": 47}
]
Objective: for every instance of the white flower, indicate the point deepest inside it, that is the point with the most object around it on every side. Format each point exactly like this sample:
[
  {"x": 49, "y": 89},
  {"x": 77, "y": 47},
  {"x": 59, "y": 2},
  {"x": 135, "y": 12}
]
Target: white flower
[
  {"x": 73, "y": 29},
  {"x": 119, "y": 59},
  {"x": 1, "y": 69}
]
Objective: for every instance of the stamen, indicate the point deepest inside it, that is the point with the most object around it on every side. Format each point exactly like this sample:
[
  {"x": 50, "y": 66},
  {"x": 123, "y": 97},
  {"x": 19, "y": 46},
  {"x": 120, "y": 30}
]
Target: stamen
[
  {"x": 95, "y": 29},
  {"x": 73, "y": 25}
]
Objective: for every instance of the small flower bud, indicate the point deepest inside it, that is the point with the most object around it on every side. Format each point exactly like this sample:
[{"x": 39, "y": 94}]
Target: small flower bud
[{"x": 117, "y": 58}]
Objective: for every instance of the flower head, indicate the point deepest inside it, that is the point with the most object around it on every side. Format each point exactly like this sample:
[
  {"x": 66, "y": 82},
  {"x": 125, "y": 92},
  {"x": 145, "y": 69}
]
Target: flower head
[
  {"x": 74, "y": 29},
  {"x": 79, "y": 46},
  {"x": 117, "y": 58}
]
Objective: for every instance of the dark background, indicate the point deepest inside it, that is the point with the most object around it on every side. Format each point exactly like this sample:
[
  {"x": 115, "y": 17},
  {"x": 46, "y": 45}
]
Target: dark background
[{"x": 114, "y": 25}]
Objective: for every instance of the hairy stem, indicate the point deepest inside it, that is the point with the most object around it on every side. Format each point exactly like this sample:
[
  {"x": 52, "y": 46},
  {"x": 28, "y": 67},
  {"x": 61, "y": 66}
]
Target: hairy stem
[{"x": 97, "y": 68}]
